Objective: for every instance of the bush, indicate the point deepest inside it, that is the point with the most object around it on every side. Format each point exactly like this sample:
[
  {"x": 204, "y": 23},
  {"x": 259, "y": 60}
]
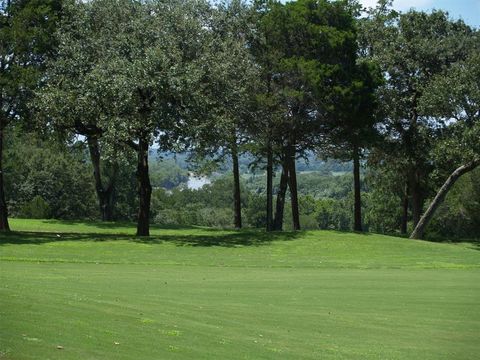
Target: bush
[
  {"x": 216, "y": 217},
  {"x": 308, "y": 222},
  {"x": 256, "y": 213},
  {"x": 459, "y": 215},
  {"x": 334, "y": 214},
  {"x": 166, "y": 217},
  {"x": 37, "y": 208},
  {"x": 55, "y": 173}
]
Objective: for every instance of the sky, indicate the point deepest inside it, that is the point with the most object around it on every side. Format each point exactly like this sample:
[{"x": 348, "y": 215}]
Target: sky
[{"x": 468, "y": 10}]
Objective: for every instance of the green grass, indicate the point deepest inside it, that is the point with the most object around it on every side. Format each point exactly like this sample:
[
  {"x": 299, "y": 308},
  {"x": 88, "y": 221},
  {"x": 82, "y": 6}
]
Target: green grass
[{"x": 199, "y": 293}]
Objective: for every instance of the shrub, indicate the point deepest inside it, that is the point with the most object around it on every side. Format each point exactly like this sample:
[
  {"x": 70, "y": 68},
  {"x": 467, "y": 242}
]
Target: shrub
[{"x": 37, "y": 208}]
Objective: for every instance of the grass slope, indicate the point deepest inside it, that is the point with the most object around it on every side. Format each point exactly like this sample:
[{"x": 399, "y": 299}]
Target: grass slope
[{"x": 196, "y": 293}]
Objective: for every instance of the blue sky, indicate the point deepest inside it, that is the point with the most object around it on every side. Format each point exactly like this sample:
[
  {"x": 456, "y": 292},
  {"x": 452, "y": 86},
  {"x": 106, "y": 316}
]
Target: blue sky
[{"x": 468, "y": 10}]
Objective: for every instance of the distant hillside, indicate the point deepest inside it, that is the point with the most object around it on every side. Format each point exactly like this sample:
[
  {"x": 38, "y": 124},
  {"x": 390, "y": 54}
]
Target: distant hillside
[{"x": 312, "y": 163}]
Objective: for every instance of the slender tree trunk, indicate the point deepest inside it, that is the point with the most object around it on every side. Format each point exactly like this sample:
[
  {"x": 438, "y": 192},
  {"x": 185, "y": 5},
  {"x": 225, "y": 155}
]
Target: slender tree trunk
[
  {"x": 269, "y": 188},
  {"x": 280, "y": 206},
  {"x": 94, "y": 149},
  {"x": 105, "y": 195},
  {"x": 417, "y": 205},
  {"x": 292, "y": 184},
  {"x": 237, "y": 201},
  {"x": 441, "y": 194},
  {"x": 4, "y": 226},
  {"x": 110, "y": 194},
  {"x": 357, "y": 226},
  {"x": 414, "y": 174},
  {"x": 144, "y": 189},
  {"x": 417, "y": 196},
  {"x": 404, "y": 222}
]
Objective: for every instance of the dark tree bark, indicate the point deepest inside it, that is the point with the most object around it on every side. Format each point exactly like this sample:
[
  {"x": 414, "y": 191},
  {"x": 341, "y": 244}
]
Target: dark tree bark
[
  {"x": 415, "y": 172},
  {"x": 105, "y": 194},
  {"x": 108, "y": 213},
  {"x": 417, "y": 196},
  {"x": 270, "y": 226},
  {"x": 280, "y": 206},
  {"x": 4, "y": 226},
  {"x": 237, "y": 201},
  {"x": 357, "y": 226},
  {"x": 441, "y": 194},
  {"x": 292, "y": 184},
  {"x": 144, "y": 189},
  {"x": 404, "y": 221}
]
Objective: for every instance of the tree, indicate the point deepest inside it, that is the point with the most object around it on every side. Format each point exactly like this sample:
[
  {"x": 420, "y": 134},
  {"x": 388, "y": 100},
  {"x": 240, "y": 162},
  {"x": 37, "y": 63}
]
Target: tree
[
  {"x": 26, "y": 29},
  {"x": 353, "y": 126},
  {"x": 411, "y": 48},
  {"x": 307, "y": 46},
  {"x": 459, "y": 215},
  {"x": 149, "y": 75},
  {"x": 69, "y": 104},
  {"x": 231, "y": 80},
  {"x": 67, "y": 107},
  {"x": 388, "y": 201},
  {"x": 455, "y": 95},
  {"x": 45, "y": 178}
]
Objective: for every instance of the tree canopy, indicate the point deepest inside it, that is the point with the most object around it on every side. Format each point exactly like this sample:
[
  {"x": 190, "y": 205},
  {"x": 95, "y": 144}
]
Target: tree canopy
[{"x": 264, "y": 85}]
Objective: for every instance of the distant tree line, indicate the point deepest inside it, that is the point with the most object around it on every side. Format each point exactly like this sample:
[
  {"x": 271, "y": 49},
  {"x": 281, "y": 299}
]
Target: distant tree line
[
  {"x": 36, "y": 189},
  {"x": 397, "y": 93}
]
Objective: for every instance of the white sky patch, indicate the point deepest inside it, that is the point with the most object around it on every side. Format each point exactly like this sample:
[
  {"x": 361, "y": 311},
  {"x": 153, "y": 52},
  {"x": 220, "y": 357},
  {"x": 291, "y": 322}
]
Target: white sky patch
[
  {"x": 369, "y": 3},
  {"x": 401, "y": 4},
  {"x": 407, "y": 4}
]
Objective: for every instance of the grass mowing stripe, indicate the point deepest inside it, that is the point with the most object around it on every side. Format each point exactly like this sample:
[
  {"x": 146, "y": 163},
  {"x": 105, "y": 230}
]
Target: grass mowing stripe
[
  {"x": 300, "y": 313},
  {"x": 207, "y": 294}
]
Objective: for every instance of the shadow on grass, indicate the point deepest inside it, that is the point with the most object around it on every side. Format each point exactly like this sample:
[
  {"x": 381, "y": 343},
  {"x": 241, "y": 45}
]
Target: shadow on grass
[
  {"x": 229, "y": 239},
  {"x": 350, "y": 232},
  {"x": 114, "y": 225},
  {"x": 475, "y": 243},
  {"x": 438, "y": 239}
]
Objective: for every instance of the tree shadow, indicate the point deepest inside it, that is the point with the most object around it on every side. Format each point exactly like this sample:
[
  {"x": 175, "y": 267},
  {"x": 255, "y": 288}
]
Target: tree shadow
[
  {"x": 231, "y": 239},
  {"x": 350, "y": 232},
  {"x": 115, "y": 224},
  {"x": 475, "y": 245},
  {"x": 217, "y": 238}
]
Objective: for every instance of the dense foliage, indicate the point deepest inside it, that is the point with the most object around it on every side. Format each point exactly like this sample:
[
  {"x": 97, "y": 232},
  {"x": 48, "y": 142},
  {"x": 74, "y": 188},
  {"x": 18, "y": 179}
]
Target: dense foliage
[{"x": 364, "y": 120}]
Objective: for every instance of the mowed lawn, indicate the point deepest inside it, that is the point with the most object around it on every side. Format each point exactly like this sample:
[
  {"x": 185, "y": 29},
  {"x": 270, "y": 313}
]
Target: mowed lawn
[{"x": 97, "y": 292}]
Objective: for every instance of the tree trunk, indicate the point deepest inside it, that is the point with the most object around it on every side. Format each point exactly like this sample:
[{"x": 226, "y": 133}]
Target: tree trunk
[
  {"x": 4, "y": 226},
  {"x": 237, "y": 201},
  {"x": 144, "y": 189},
  {"x": 357, "y": 226},
  {"x": 105, "y": 195},
  {"x": 280, "y": 206},
  {"x": 417, "y": 198},
  {"x": 109, "y": 191},
  {"x": 417, "y": 207},
  {"x": 442, "y": 193},
  {"x": 108, "y": 213},
  {"x": 404, "y": 222},
  {"x": 414, "y": 173},
  {"x": 269, "y": 188},
  {"x": 292, "y": 184}
]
